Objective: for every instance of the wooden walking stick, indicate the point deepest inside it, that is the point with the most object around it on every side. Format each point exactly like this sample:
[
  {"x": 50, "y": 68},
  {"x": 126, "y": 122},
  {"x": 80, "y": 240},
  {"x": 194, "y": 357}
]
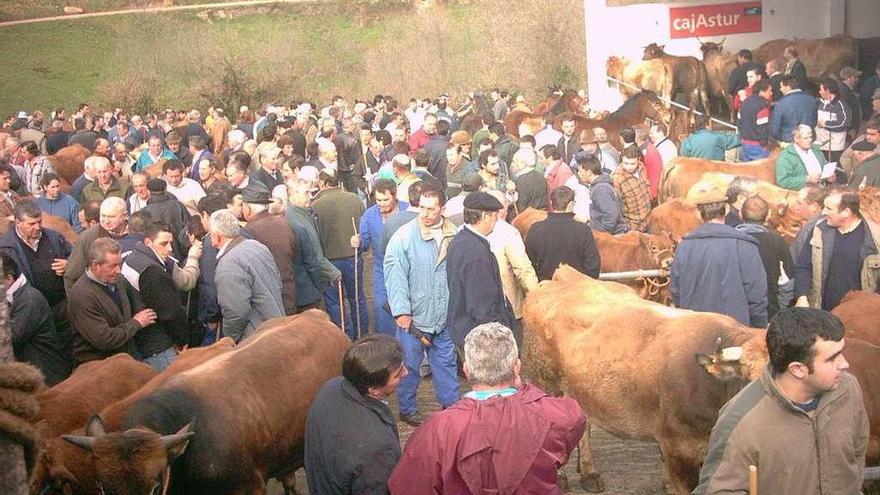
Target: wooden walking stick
[
  {"x": 357, "y": 299},
  {"x": 341, "y": 305},
  {"x": 753, "y": 479}
]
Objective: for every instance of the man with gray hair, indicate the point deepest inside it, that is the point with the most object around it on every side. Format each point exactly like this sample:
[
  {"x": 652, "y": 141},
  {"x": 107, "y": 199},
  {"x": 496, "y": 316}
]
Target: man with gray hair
[
  {"x": 800, "y": 163},
  {"x": 247, "y": 278},
  {"x": 531, "y": 186},
  {"x": 516, "y": 435}
]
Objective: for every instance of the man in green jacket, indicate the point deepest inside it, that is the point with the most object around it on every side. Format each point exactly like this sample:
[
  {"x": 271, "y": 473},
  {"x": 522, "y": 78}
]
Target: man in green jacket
[
  {"x": 801, "y": 162},
  {"x": 706, "y": 143}
]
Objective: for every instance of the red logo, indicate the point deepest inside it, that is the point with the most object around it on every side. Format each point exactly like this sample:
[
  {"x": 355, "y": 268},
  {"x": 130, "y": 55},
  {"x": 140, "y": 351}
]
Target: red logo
[{"x": 714, "y": 20}]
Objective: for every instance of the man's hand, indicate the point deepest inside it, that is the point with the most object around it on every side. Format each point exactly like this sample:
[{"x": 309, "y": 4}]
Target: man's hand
[
  {"x": 802, "y": 302},
  {"x": 195, "y": 251},
  {"x": 511, "y": 187},
  {"x": 813, "y": 178},
  {"x": 145, "y": 317},
  {"x": 404, "y": 321},
  {"x": 59, "y": 266},
  {"x": 355, "y": 241}
]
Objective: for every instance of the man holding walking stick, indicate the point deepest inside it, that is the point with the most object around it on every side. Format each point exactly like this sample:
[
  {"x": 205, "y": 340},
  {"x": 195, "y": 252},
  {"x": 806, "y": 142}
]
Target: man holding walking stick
[{"x": 803, "y": 424}]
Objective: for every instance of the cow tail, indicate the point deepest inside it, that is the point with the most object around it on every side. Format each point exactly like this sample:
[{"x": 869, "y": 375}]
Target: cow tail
[{"x": 701, "y": 87}]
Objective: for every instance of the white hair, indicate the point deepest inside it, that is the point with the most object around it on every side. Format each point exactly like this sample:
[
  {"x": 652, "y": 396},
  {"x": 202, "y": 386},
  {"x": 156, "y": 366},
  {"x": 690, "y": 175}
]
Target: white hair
[
  {"x": 522, "y": 159},
  {"x": 92, "y": 163},
  {"x": 269, "y": 152},
  {"x": 112, "y": 205},
  {"x": 490, "y": 354},
  {"x": 802, "y": 130},
  {"x": 224, "y": 223},
  {"x": 326, "y": 146},
  {"x": 237, "y": 136}
]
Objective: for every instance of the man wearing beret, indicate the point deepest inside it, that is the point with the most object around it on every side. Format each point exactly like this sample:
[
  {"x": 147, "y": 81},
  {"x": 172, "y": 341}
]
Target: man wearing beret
[
  {"x": 867, "y": 172},
  {"x": 717, "y": 268},
  {"x": 476, "y": 295}
]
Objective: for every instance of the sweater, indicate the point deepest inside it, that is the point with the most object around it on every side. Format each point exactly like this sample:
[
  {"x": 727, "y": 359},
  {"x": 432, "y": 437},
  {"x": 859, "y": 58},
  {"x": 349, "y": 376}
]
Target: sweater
[{"x": 64, "y": 207}]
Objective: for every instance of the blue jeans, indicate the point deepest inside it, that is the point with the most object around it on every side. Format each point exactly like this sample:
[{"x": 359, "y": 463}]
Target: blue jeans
[
  {"x": 331, "y": 298},
  {"x": 161, "y": 360},
  {"x": 753, "y": 152},
  {"x": 441, "y": 358},
  {"x": 384, "y": 320}
]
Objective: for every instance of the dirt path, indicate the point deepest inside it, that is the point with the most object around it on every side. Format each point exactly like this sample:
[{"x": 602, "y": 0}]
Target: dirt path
[{"x": 156, "y": 10}]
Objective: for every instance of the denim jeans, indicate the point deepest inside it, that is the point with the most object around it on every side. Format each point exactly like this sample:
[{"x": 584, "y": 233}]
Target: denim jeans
[
  {"x": 384, "y": 320},
  {"x": 753, "y": 152},
  {"x": 331, "y": 298},
  {"x": 441, "y": 357},
  {"x": 161, "y": 360}
]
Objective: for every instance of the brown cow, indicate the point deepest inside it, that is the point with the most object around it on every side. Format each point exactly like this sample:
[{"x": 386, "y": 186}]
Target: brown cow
[
  {"x": 689, "y": 75},
  {"x": 651, "y": 75},
  {"x": 638, "y": 251},
  {"x": 683, "y": 172},
  {"x": 57, "y": 224},
  {"x": 869, "y": 203},
  {"x": 719, "y": 65},
  {"x": 860, "y": 312},
  {"x": 68, "y": 465},
  {"x": 526, "y": 218},
  {"x": 248, "y": 408},
  {"x": 68, "y": 164},
  {"x": 638, "y": 108},
  {"x": 821, "y": 56},
  {"x": 630, "y": 364},
  {"x": 675, "y": 217}
]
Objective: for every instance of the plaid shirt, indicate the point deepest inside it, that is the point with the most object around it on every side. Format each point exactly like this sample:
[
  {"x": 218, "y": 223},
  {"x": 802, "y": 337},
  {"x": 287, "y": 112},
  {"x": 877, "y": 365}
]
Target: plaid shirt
[{"x": 633, "y": 190}]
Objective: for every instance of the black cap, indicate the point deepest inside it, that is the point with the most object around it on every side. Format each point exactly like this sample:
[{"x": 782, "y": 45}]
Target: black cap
[
  {"x": 482, "y": 201},
  {"x": 256, "y": 195},
  {"x": 471, "y": 182},
  {"x": 156, "y": 185},
  {"x": 864, "y": 145}
]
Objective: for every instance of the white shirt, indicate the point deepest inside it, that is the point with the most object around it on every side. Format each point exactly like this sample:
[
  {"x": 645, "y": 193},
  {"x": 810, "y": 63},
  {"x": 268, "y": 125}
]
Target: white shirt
[
  {"x": 189, "y": 193},
  {"x": 582, "y": 199},
  {"x": 136, "y": 204},
  {"x": 811, "y": 163},
  {"x": 547, "y": 135},
  {"x": 667, "y": 150}
]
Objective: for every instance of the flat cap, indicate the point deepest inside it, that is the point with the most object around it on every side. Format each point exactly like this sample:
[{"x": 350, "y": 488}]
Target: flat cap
[
  {"x": 704, "y": 193},
  {"x": 849, "y": 71},
  {"x": 460, "y": 138},
  {"x": 864, "y": 145},
  {"x": 482, "y": 201},
  {"x": 471, "y": 182},
  {"x": 255, "y": 194},
  {"x": 156, "y": 185},
  {"x": 588, "y": 136}
]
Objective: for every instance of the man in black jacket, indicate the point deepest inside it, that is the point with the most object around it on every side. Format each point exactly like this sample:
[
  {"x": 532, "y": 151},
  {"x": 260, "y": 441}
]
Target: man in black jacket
[
  {"x": 165, "y": 207},
  {"x": 475, "y": 292},
  {"x": 562, "y": 239},
  {"x": 148, "y": 271},
  {"x": 352, "y": 443}
]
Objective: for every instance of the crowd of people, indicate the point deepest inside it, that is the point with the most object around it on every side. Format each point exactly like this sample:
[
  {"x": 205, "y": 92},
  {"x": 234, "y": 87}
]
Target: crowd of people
[{"x": 192, "y": 227}]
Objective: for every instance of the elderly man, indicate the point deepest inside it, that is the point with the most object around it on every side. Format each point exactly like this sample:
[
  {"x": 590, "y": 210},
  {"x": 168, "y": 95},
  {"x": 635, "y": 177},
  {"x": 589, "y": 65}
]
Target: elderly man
[
  {"x": 843, "y": 254},
  {"x": 272, "y": 232},
  {"x": 186, "y": 190},
  {"x": 139, "y": 192},
  {"x": 155, "y": 151},
  {"x": 531, "y": 187},
  {"x": 122, "y": 161},
  {"x": 872, "y": 135},
  {"x": 87, "y": 177},
  {"x": 867, "y": 173},
  {"x": 801, "y": 163},
  {"x": 247, "y": 278},
  {"x": 105, "y": 185},
  {"x": 352, "y": 443},
  {"x": 100, "y": 310},
  {"x": 476, "y": 294},
  {"x": 498, "y": 421},
  {"x": 113, "y": 222}
]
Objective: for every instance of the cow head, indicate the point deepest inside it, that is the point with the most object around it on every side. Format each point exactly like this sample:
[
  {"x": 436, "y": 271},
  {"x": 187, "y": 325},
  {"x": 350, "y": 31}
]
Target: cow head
[
  {"x": 785, "y": 221},
  {"x": 710, "y": 47},
  {"x": 744, "y": 362},
  {"x": 653, "y": 51},
  {"x": 660, "y": 247},
  {"x": 131, "y": 462}
]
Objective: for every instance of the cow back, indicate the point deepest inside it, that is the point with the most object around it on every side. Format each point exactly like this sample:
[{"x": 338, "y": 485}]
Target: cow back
[
  {"x": 69, "y": 162},
  {"x": 526, "y": 218},
  {"x": 676, "y": 217},
  {"x": 819, "y": 56},
  {"x": 681, "y": 173},
  {"x": 860, "y": 311}
]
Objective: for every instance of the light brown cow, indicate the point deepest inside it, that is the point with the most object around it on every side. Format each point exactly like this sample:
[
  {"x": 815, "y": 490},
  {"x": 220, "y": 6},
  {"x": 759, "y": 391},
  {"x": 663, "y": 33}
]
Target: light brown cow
[
  {"x": 719, "y": 65},
  {"x": 860, "y": 313},
  {"x": 69, "y": 163},
  {"x": 689, "y": 75},
  {"x": 869, "y": 203},
  {"x": 675, "y": 217},
  {"x": 630, "y": 363},
  {"x": 638, "y": 251},
  {"x": 245, "y": 412},
  {"x": 820, "y": 56},
  {"x": 70, "y": 467},
  {"x": 651, "y": 75},
  {"x": 683, "y": 172}
]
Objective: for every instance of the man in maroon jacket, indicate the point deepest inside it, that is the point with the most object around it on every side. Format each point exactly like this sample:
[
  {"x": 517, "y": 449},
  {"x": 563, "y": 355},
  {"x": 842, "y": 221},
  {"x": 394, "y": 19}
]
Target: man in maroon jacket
[{"x": 502, "y": 437}]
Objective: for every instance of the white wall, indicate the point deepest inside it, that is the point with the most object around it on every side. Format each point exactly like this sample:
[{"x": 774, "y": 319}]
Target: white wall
[{"x": 624, "y": 31}]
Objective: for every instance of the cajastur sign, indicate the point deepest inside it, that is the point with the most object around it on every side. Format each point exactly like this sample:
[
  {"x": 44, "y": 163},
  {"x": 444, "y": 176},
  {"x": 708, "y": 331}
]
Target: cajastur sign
[{"x": 714, "y": 20}]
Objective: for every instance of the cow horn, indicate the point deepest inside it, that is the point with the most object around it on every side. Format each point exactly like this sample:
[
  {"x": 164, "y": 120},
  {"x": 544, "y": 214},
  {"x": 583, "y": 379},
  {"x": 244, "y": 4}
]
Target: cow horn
[
  {"x": 85, "y": 443},
  {"x": 95, "y": 427},
  {"x": 722, "y": 41},
  {"x": 718, "y": 347},
  {"x": 171, "y": 442}
]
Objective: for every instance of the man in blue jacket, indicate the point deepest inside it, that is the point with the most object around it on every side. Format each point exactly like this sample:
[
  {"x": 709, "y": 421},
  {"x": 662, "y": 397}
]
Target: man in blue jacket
[
  {"x": 718, "y": 269},
  {"x": 795, "y": 108}
]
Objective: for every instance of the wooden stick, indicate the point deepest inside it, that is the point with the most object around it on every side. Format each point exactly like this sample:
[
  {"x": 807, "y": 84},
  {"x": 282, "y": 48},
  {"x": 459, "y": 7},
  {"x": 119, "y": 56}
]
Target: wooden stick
[
  {"x": 341, "y": 305},
  {"x": 753, "y": 480},
  {"x": 357, "y": 300}
]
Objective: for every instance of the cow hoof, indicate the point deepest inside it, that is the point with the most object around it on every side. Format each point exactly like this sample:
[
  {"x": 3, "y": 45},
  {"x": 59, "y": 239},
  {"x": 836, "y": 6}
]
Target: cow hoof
[
  {"x": 592, "y": 483},
  {"x": 562, "y": 481}
]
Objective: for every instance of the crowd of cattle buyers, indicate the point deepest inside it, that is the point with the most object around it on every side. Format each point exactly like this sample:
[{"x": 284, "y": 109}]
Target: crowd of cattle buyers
[{"x": 189, "y": 285}]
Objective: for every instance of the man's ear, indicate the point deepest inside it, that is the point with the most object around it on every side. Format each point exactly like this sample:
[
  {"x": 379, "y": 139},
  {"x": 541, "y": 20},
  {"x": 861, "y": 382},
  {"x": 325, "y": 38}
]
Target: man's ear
[
  {"x": 798, "y": 369},
  {"x": 467, "y": 372}
]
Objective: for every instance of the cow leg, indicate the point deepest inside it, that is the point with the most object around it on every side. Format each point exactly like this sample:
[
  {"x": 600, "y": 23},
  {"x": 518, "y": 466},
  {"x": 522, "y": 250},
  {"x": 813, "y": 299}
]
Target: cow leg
[
  {"x": 681, "y": 460},
  {"x": 591, "y": 479},
  {"x": 288, "y": 480},
  {"x": 255, "y": 486}
]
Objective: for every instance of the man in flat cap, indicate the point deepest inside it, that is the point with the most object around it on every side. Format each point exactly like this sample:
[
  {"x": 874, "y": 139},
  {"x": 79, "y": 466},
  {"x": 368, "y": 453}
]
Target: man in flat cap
[
  {"x": 476, "y": 295},
  {"x": 165, "y": 207},
  {"x": 717, "y": 268},
  {"x": 867, "y": 172}
]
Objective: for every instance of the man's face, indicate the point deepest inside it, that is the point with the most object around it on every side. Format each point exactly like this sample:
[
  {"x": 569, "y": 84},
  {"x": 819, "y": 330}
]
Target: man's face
[
  {"x": 767, "y": 94},
  {"x": 430, "y": 211},
  {"x": 872, "y": 135},
  {"x": 119, "y": 154},
  {"x": 139, "y": 185},
  {"x": 430, "y": 125},
  {"x": 234, "y": 175},
  {"x": 300, "y": 198},
  {"x": 237, "y": 206},
  {"x": 161, "y": 245},
  {"x": 287, "y": 150},
  {"x": 803, "y": 140},
  {"x": 271, "y": 164},
  {"x": 824, "y": 93},
  {"x": 205, "y": 170},
  {"x": 831, "y": 210},
  {"x": 601, "y": 134},
  {"x": 4, "y": 181},
  {"x": 752, "y": 77},
  {"x": 805, "y": 208},
  {"x": 103, "y": 173},
  {"x": 493, "y": 165},
  {"x": 175, "y": 148},
  {"x": 584, "y": 176},
  {"x": 495, "y": 96},
  {"x": 568, "y": 128},
  {"x": 453, "y": 157},
  {"x": 630, "y": 164},
  {"x": 365, "y": 137},
  {"x": 122, "y": 128},
  {"x": 29, "y": 227},
  {"x": 399, "y": 135},
  {"x": 828, "y": 366},
  {"x": 53, "y": 189},
  {"x": 174, "y": 177},
  {"x": 107, "y": 271},
  {"x": 385, "y": 201},
  {"x": 393, "y": 382},
  {"x": 112, "y": 219}
]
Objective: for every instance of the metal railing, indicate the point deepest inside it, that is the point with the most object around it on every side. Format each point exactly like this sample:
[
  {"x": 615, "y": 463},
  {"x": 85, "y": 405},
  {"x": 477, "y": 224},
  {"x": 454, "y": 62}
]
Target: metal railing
[
  {"x": 633, "y": 274},
  {"x": 673, "y": 103}
]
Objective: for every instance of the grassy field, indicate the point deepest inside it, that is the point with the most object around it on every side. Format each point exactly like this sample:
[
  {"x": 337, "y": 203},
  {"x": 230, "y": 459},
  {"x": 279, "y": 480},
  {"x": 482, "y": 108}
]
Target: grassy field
[{"x": 279, "y": 53}]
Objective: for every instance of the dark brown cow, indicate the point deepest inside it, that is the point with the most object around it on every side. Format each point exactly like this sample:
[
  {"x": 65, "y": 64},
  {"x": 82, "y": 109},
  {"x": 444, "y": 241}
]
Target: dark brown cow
[
  {"x": 248, "y": 408},
  {"x": 719, "y": 65},
  {"x": 630, "y": 364},
  {"x": 860, "y": 313},
  {"x": 640, "y": 107},
  {"x": 869, "y": 55},
  {"x": 71, "y": 468},
  {"x": 681, "y": 173},
  {"x": 68, "y": 163},
  {"x": 638, "y": 251},
  {"x": 689, "y": 75},
  {"x": 69, "y": 404},
  {"x": 650, "y": 75},
  {"x": 821, "y": 56},
  {"x": 675, "y": 217}
]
